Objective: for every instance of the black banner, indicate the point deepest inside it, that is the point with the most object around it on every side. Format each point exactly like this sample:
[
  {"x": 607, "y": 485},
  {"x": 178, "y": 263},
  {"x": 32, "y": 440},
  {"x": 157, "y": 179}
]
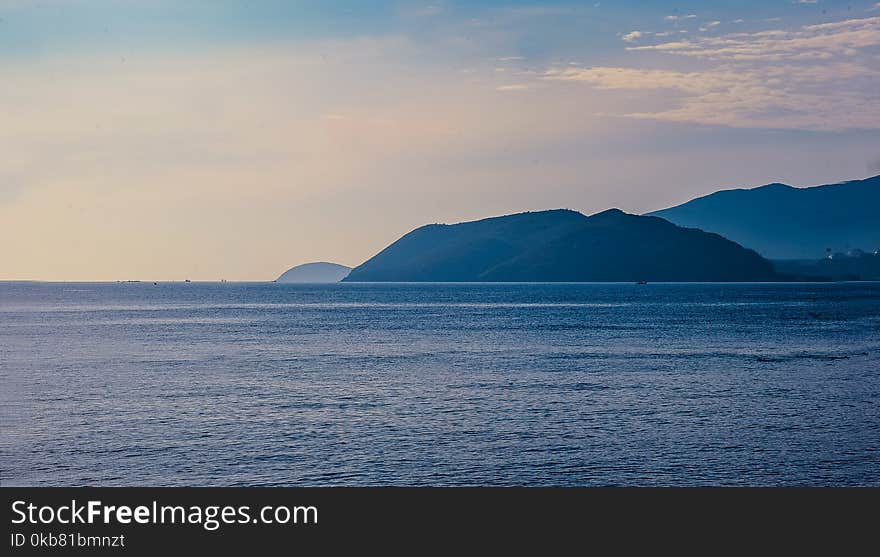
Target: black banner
[{"x": 290, "y": 520}]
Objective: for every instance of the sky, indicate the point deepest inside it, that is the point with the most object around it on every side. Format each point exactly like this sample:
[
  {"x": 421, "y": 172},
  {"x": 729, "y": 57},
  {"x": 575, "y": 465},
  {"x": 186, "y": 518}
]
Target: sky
[{"x": 233, "y": 139}]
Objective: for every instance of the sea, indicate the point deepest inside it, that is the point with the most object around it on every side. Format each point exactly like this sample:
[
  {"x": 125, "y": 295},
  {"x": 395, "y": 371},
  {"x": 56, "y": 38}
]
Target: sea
[{"x": 264, "y": 384}]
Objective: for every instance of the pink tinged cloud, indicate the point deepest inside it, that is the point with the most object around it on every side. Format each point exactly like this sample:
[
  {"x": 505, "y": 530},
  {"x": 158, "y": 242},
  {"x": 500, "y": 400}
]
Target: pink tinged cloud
[{"x": 819, "y": 77}]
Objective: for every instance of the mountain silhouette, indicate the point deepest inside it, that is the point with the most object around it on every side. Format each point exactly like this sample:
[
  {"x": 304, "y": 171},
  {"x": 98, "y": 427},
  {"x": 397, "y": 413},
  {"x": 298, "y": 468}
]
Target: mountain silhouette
[
  {"x": 783, "y": 222},
  {"x": 315, "y": 272},
  {"x": 563, "y": 246}
]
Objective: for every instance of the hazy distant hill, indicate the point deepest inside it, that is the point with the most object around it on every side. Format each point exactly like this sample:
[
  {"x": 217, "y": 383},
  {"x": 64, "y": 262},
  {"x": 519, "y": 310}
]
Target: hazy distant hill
[
  {"x": 782, "y": 222},
  {"x": 563, "y": 245},
  {"x": 852, "y": 266},
  {"x": 315, "y": 272}
]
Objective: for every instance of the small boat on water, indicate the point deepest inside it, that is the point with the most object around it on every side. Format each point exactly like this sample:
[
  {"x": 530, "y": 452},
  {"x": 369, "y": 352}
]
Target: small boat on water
[{"x": 187, "y": 280}]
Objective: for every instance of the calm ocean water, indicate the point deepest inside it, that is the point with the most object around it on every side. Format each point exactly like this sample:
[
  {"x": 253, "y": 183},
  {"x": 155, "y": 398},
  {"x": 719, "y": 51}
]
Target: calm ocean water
[{"x": 439, "y": 384}]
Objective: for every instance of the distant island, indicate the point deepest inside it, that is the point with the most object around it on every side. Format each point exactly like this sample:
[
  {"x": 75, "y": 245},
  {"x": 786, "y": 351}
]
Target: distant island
[
  {"x": 564, "y": 246},
  {"x": 315, "y": 272},
  {"x": 783, "y": 222}
]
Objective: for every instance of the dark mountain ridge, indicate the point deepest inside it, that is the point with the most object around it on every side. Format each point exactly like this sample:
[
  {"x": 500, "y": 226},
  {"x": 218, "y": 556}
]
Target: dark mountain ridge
[{"x": 563, "y": 246}]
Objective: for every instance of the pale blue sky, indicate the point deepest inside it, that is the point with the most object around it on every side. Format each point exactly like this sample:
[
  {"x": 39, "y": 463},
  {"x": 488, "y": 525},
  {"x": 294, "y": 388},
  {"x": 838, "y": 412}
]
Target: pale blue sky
[
  {"x": 234, "y": 139},
  {"x": 537, "y": 29}
]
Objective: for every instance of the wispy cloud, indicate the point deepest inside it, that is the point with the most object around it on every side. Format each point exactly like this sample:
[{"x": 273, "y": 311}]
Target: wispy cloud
[
  {"x": 420, "y": 11},
  {"x": 817, "y": 42},
  {"x": 818, "y": 77},
  {"x": 632, "y": 36}
]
